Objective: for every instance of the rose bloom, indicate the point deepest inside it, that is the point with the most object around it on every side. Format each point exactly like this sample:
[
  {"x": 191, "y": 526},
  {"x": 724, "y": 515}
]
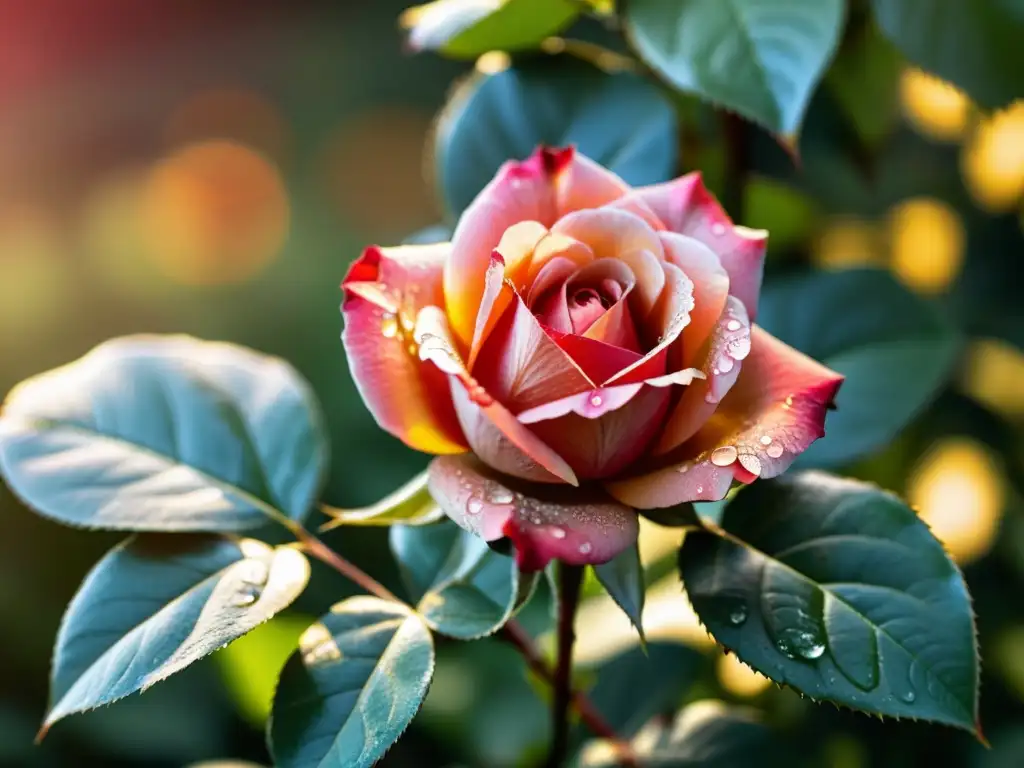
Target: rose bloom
[{"x": 579, "y": 351}]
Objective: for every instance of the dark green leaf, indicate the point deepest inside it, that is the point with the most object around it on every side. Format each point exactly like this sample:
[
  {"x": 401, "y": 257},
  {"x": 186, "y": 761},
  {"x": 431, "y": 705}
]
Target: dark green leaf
[
  {"x": 706, "y": 734},
  {"x": 353, "y": 687},
  {"x": 839, "y": 590},
  {"x": 165, "y": 434},
  {"x": 466, "y": 30},
  {"x": 410, "y": 505},
  {"x": 894, "y": 348},
  {"x": 618, "y": 120},
  {"x": 974, "y": 44},
  {"x": 760, "y": 58},
  {"x": 157, "y": 603},
  {"x": 465, "y": 589},
  {"x": 639, "y": 684},
  {"x": 623, "y": 579},
  {"x": 680, "y": 516}
]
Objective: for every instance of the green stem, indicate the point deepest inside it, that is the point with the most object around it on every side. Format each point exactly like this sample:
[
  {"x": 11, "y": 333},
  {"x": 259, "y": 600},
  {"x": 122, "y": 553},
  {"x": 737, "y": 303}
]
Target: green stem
[
  {"x": 737, "y": 164},
  {"x": 569, "y": 584}
]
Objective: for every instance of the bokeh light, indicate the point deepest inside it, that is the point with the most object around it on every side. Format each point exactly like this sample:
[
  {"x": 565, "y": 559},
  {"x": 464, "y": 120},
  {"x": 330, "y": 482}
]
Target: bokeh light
[
  {"x": 848, "y": 242},
  {"x": 214, "y": 212},
  {"x": 739, "y": 679},
  {"x": 656, "y": 541},
  {"x": 239, "y": 114},
  {"x": 34, "y": 279},
  {"x": 934, "y": 107},
  {"x": 958, "y": 490},
  {"x": 993, "y": 160},
  {"x": 927, "y": 244},
  {"x": 993, "y": 375},
  {"x": 374, "y": 172}
]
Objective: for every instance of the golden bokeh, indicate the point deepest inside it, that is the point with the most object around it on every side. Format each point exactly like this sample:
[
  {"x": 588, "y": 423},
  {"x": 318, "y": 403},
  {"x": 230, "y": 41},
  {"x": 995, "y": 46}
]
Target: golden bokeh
[
  {"x": 848, "y": 242},
  {"x": 657, "y": 542},
  {"x": 958, "y": 490},
  {"x": 214, "y": 212},
  {"x": 739, "y": 679},
  {"x": 993, "y": 376},
  {"x": 34, "y": 276},
  {"x": 237, "y": 114},
  {"x": 993, "y": 160},
  {"x": 926, "y": 238},
  {"x": 373, "y": 172},
  {"x": 934, "y": 107}
]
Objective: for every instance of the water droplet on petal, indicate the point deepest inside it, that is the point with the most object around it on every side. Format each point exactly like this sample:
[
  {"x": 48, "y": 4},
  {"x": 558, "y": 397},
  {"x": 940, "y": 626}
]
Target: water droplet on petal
[
  {"x": 501, "y": 496},
  {"x": 700, "y": 489},
  {"x": 408, "y": 322},
  {"x": 474, "y": 506},
  {"x": 683, "y": 469},
  {"x": 774, "y": 450},
  {"x": 389, "y": 325},
  {"x": 558, "y": 533},
  {"x": 733, "y": 325},
  {"x": 724, "y": 455},
  {"x": 751, "y": 463},
  {"x": 596, "y": 400},
  {"x": 718, "y": 229},
  {"x": 766, "y": 440},
  {"x": 586, "y": 548}
]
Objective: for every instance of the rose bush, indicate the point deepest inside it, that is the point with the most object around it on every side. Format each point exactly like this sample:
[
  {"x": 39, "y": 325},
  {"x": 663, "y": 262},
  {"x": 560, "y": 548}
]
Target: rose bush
[{"x": 579, "y": 351}]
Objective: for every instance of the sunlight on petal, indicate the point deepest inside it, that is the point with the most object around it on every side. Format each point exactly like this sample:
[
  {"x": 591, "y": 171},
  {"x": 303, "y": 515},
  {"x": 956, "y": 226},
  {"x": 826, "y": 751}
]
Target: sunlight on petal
[{"x": 958, "y": 490}]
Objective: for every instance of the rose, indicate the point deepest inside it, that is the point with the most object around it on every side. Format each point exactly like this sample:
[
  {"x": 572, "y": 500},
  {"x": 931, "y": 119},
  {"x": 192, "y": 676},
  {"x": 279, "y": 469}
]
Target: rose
[{"x": 581, "y": 350}]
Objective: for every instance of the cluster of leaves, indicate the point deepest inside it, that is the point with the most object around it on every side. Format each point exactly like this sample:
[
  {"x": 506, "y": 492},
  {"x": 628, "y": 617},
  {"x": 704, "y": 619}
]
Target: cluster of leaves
[{"x": 827, "y": 585}]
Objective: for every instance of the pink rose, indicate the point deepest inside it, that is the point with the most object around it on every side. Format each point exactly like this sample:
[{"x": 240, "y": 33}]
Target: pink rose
[{"x": 580, "y": 350}]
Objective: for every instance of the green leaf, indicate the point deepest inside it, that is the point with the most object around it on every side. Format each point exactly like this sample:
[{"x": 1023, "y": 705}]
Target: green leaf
[
  {"x": 618, "y": 120},
  {"x": 168, "y": 433},
  {"x": 679, "y": 516},
  {"x": 353, "y": 687},
  {"x": 894, "y": 348},
  {"x": 411, "y": 504},
  {"x": 975, "y": 44},
  {"x": 706, "y": 734},
  {"x": 838, "y": 589},
  {"x": 465, "y": 589},
  {"x": 760, "y": 58},
  {"x": 157, "y": 603},
  {"x": 623, "y": 579},
  {"x": 466, "y": 29}
]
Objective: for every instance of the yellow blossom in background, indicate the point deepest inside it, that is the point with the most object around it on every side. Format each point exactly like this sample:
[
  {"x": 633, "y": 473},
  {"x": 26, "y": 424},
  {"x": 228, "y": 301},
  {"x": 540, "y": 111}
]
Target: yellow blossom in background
[
  {"x": 993, "y": 160},
  {"x": 932, "y": 106},
  {"x": 848, "y": 242},
  {"x": 993, "y": 376},
  {"x": 927, "y": 244}
]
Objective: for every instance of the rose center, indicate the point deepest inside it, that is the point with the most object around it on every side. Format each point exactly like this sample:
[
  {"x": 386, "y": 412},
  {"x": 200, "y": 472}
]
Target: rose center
[{"x": 586, "y": 305}]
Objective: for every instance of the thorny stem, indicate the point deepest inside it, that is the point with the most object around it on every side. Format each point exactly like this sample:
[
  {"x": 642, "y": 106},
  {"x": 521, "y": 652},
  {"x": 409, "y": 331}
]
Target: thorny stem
[
  {"x": 569, "y": 583},
  {"x": 511, "y": 632}
]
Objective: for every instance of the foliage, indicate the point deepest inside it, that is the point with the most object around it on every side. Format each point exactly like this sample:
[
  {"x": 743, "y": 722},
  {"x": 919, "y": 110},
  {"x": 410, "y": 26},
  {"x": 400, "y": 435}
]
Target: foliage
[{"x": 826, "y": 585}]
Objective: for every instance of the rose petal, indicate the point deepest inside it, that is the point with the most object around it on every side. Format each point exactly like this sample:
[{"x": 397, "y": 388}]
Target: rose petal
[
  {"x": 633, "y": 203},
  {"x": 492, "y": 304},
  {"x": 491, "y": 430},
  {"x": 384, "y": 290},
  {"x": 598, "y": 360},
  {"x": 669, "y": 317},
  {"x": 773, "y": 413},
  {"x": 576, "y": 526},
  {"x": 522, "y": 366},
  {"x": 553, "y": 246},
  {"x": 710, "y": 287},
  {"x": 720, "y": 360},
  {"x": 602, "y": 432},
  {"x": 585, "y": 184},
  {"x": 520, "y": 192},
  {"x": 617, "y": 234},
  {"x": 687, "y": 207}
]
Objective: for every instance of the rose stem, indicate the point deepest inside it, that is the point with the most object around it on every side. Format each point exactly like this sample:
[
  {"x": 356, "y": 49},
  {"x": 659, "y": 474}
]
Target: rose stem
[
  {"x": 512, "y": 632},
  {"x": 737, "y": 163},
  {"x": 569, "y": 583},
  {"x": 517, "y": 637}
]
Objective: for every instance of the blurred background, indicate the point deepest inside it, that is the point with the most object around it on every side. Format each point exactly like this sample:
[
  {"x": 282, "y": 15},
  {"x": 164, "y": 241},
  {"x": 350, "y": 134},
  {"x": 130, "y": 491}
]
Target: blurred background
[{"x": 212, "y": 168}]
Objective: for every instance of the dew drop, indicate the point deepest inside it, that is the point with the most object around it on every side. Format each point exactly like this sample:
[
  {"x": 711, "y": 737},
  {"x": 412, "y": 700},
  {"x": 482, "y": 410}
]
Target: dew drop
[
  {"x": 724, "y": 455},
  {"x": 751, "y": 463},
  {"x": 766, "y": 440},
  {"x": 774, "y": 450},
  {"x": 247, "y": 595},
  {"x": 558, "y": 533},
  {"x": 389, "y": 325},
  {"x": 733, "y": 325},
  {"x": 726, "y": 364},
  {"x": 683, "y": 469},
  {"x": 408, "y": 322},
  {"x": 501, "y": 496},
  {"x": 474, "y": 506},
  {"x": 718, "y": 229},
  {"x": 586, "y": 548},
  {"x": 700, "y": 489},
  {"x": 909, "y": 697},
  {"x": 795, "y": 642},
  {"x": 596, "y": 400},
  {"x": 735, "y": 610}
]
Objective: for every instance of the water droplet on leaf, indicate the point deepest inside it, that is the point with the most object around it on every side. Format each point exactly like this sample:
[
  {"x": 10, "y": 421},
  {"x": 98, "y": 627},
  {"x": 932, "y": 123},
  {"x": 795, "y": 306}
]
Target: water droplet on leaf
[
  {"x": 909, "y": 697},
  {"x": 794, "y": 642},
  {"x": 246, "y": 595}
]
